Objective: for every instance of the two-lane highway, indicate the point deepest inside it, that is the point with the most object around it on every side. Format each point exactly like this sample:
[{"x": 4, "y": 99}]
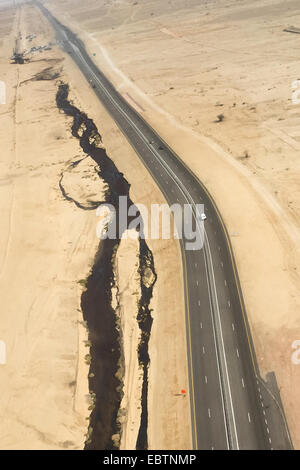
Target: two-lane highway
[{"x": 227, "y": 407}]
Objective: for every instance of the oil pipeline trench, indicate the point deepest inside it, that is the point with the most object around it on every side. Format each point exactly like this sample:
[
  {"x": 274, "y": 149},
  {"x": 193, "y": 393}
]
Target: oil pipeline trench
[{"x": 106, "y": 356}]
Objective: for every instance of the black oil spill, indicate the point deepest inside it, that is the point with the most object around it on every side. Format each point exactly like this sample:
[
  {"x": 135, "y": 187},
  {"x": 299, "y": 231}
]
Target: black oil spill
[
  {"x": 90, "y": 206},
  {"x": 145, "y": 320},
  {"x": 46, "y": 74},
  {"x": 105, "y": 375}
]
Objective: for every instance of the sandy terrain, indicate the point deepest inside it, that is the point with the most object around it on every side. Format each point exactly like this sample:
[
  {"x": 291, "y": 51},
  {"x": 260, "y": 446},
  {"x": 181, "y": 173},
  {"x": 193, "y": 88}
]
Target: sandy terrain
[
  {"x": 183, "y": 63},
  {"x": 48, "y": 244},
  {"x": 45, "y": 246}
]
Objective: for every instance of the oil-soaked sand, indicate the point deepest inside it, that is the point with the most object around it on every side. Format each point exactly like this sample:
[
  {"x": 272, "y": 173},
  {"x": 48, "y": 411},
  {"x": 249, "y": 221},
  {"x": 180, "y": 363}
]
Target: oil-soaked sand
[{"x": 105, "y": 376}]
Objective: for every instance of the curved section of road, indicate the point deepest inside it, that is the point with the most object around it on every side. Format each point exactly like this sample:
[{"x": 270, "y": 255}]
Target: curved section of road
[{"x": 228, "y": 408}]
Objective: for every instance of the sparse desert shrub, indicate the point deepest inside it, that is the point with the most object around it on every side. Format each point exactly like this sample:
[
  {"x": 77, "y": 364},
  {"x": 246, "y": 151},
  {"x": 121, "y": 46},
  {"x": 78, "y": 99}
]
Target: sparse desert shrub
[
  {"x": 83, "y": 282},
  {"x": 87, "y": 359}
]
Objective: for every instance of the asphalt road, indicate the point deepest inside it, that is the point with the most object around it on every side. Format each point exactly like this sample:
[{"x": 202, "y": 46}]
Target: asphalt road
[{"x": 228, "y": 406}]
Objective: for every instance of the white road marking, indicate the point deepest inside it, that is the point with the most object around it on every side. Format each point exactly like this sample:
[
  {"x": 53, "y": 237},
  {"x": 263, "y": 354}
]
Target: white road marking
[
  {"x": 216, "y": 312},
  {"x": 268, "y": 430},
  {"x": 199, "y": 303},
  {"x": 237, "y": 352},
  {"x": 225, "y": 282},
  {"x": 232, "y": 324},
  {"x": 197, "y": 283},
  {"x": 229, "y": 303},
  {"x": 243, "y": 383},
  {"x": 206, "y": 379},
  {"x": 203, "y": 349},
  {"x": 209, "y": 412},
  {"x": 201, "y": 325},
  {"x": 249, "y": 419}
]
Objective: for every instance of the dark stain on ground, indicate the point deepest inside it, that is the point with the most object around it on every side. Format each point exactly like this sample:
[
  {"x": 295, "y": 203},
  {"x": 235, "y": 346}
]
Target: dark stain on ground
[
  {"x": 47, "y": 73},
  {"x": 106, "y": 355},
  {"x": 89, "y": 206},
  {"x": 144, "y": 318}
]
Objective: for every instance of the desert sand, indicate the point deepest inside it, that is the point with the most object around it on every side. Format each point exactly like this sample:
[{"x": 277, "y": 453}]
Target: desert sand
[{"x": 184, "y": 63}]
